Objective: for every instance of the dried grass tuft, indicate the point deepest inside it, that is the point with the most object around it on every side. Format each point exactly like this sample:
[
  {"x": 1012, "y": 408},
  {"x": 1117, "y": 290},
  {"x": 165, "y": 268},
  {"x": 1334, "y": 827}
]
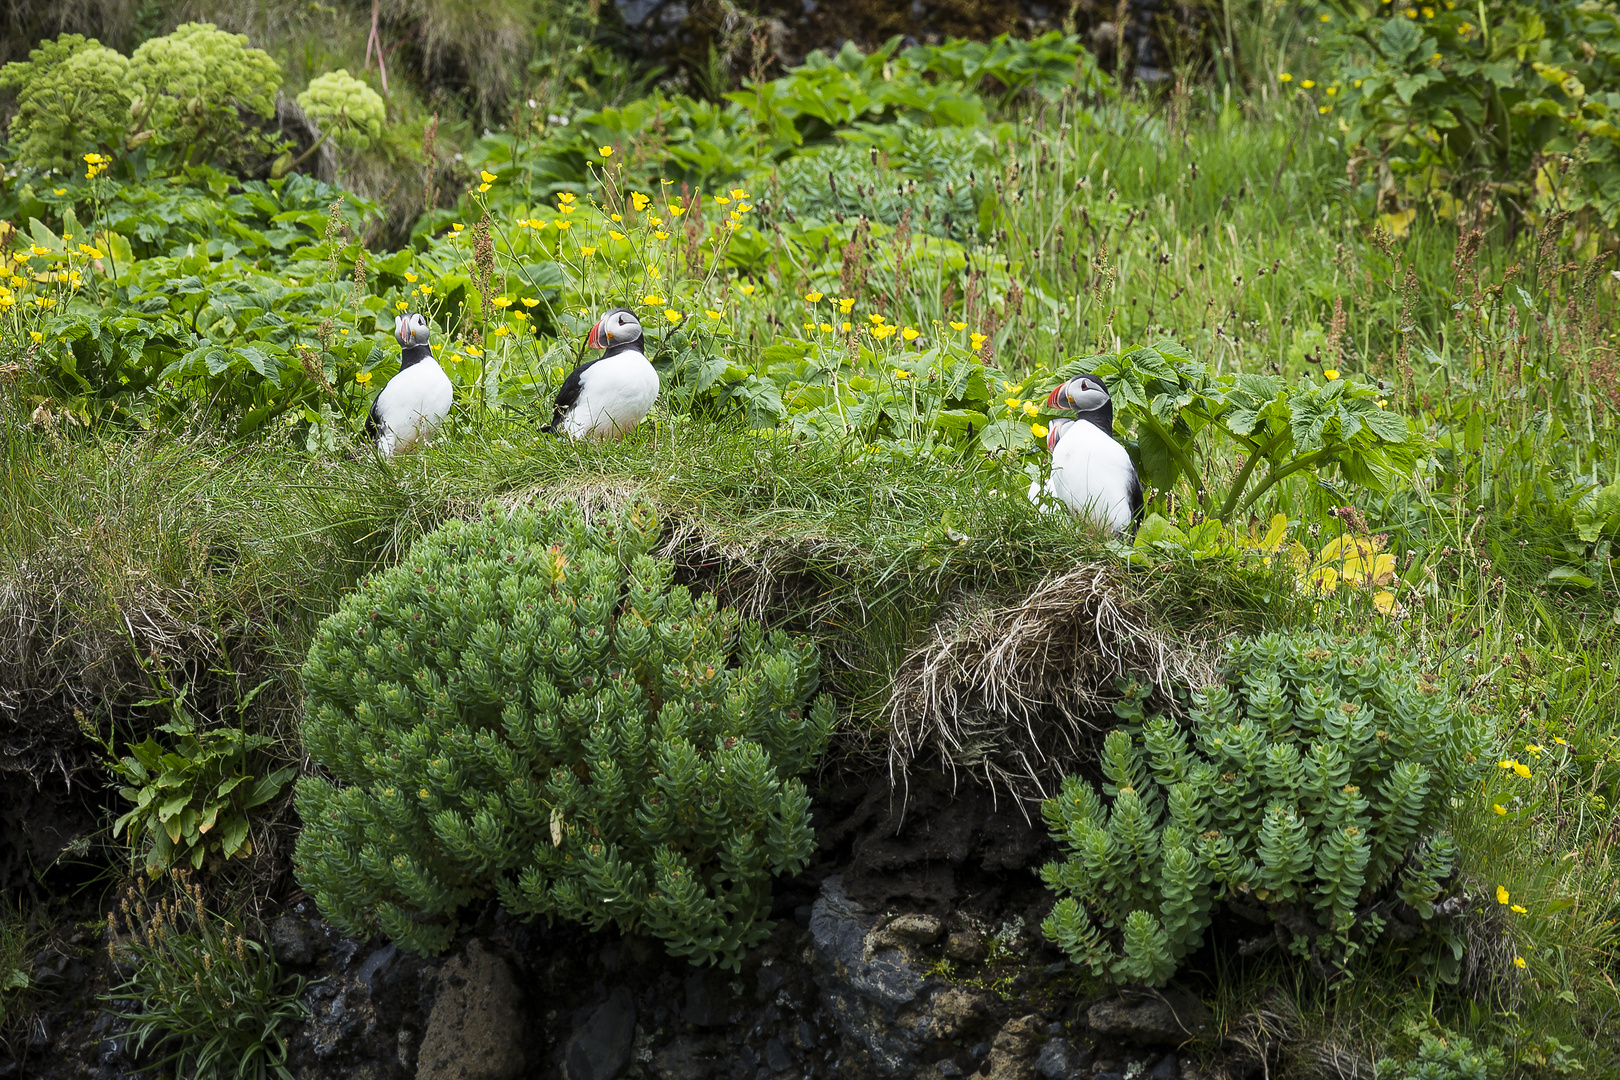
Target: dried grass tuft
[{"x": 1017, "y": 695}]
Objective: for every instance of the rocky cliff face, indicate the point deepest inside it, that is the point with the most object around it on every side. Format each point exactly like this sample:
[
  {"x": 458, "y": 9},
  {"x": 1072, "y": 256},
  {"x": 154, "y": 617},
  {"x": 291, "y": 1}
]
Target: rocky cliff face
[{"x": 909, "y": 949}]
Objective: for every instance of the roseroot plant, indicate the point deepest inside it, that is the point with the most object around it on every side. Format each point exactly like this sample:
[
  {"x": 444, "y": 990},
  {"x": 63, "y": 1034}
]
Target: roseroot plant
[
  {"x": 1308, "y": 792},
  {"x": 202, "y": 996},
  {"x": 526, "y": 708}
]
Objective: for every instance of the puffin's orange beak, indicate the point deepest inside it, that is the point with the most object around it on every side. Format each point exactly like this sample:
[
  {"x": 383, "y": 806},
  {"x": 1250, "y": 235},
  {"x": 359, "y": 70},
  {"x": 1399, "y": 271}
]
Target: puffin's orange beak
[
  {"x": 1052, "y": 398},
  {"x": 592, "y": 340}
]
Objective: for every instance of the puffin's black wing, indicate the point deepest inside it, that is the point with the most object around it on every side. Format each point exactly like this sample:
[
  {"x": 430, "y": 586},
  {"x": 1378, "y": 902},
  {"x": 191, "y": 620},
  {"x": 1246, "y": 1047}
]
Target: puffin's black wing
[
  {"x": 374, "y": 419},
  {"x": 568, "y": 395},
  {"x": 1136, "y": 502}
]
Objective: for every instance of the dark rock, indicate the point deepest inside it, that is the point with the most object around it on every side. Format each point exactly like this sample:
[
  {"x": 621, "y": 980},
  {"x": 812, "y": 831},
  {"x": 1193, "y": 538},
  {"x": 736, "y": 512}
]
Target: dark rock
[
  {"x": 906, "y": 931},
  {"x": 965, "y": 947},
  {"x": 377, "y": 962},
  {"x": 1013, "y": 1048},
  {"x": 692, "y": 1058},
  {"x": 708, "y": 998},
  {"x": 1166, "y": 1069},
  {"x": 948, "y": 1068},
  {"x": 777, "y": 1056},
  {"x": 293, "y": 941},
  {"x": 979, "y": 1051},
  {"x": 863, "y": 994},
  {"x": 1168, "y": 1018},
  {"x": 1056, "y": 1060},
  {"x": 475, "y": 1031},
  {"x": 600, "y": 1049},
  {"x": 771, "y": 977}
]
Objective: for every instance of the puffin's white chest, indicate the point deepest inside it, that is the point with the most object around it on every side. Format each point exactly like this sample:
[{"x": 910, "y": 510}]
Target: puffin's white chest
[
  {"x": 412, "y": 405},
  {"x": 1093, "y": 476},
  {"x": 616, "y": 393}
]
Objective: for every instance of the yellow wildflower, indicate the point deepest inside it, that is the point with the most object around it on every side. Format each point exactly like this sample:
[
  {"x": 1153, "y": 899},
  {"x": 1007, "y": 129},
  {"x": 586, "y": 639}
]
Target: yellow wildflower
[
  {"x": 530, "y": 302},
  {"x": 486, "y": 176},
  {"x": 1308, "y": 83},
  {"x": 1285, "y": 77},
  {"x": 977, "y": 341},
  {"x": 672, "y": 315},
  {"x": 900, "y": 373},
  {"x": 587, "y": 251},
  {"x": 711, "y": 313},
  {"x": 652, "y": 300},
  {"x": 362, "y": 377},
  {"x": 616, "y": 234},
  {"x": 1499, "y": 808},
  {"x": 1330, "y": 374},
  {"x": 1518, "y": 961},
  {"x": 1518, "y": 909},
  {"x": 958, "y": 325},
  {"x": 1038, "y": 430},
  {"x": 1501, "y": 894},
  {"x": 813, "y": 297},
  {"x": 605, "y": 151},
  {"x": 639, "y": 201},
  {"x": 909, "y": 334},
  {"x": 501, "y": 331},
  {"x": 660, "y": 235}
]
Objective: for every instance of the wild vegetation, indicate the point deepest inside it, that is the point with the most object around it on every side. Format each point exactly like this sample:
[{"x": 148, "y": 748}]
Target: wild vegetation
[{"x": 1352, "y": 284}]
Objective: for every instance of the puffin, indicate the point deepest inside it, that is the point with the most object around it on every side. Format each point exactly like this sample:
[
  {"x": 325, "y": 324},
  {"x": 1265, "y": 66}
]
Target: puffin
[
  {"x": 1091, "y": 472},
  {"x": 607, "y": 397},
  {"x": 416, "y": 400}
]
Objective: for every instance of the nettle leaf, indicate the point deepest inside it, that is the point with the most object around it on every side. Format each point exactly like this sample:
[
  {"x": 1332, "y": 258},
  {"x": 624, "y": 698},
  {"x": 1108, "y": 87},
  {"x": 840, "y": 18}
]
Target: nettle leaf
[{"x": 1399, "y": 38}]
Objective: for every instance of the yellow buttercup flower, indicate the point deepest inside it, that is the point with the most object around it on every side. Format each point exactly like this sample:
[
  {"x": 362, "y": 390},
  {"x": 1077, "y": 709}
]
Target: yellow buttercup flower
[
  {"x": 615, "y": 217},
  {"x": 363, "y": 377},
  {"x": 1501, "y": 894},
  {"x": 721, "y": 199},
  {"x": 501, "y": 331},
  {"x": 1522, "y": 769},
  {"x": 813, "y": 297},
  {"x": 563, "y": 225},
  {"x": 1030, "y": 408},
  {"x": 711, "y": 313},
  {"x": 587, "y": 251},
  {"x": 652, "y": 300},
  {"x": 1285, "y": 77},
  {"x": 909, "y": 334},
  {"x": 482, "y": 188},
  {"x": 486, "y": 177},
  {"x": 1330, "y": 374},
  {"x": 677, "y": 211},
  {"x": 660, "y": 235},
  {"x": 502, "y": 301},
  {"x": 977, "y": 341},
  {"x": 605, "y": 151},
  {"x": 901, "y": 374},
  {"x": 1499, "y": 808},
  {"x": 672, "y": 315},
  {"x": 616, "y": 234},
  {"x": 639, "y": 201},
  {"x": 746, "y": 289},
  {"x": 654, "y": 220},
  {"x": 530, "y": 302},
  {"x": 1038, "y": 430},
  {"x": 1518, "y": 961},
  {"x": 1308, "y": 83},
  {"x": 845, "y": 304},
  {"x": 1518, "y": 909},
  {"x": 958, "y": 326},
  {"x": 37, "y": 336},
  {"x": 826, "y": 328},
  {"x": 845, "y": 325}
]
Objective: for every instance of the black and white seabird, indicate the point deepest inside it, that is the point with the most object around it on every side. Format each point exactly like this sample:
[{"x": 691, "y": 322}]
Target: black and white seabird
[
  {"x": 607, "y": 397},
  {"x": 1091, "y": 472},
  {"x": 415, "y": 401}
]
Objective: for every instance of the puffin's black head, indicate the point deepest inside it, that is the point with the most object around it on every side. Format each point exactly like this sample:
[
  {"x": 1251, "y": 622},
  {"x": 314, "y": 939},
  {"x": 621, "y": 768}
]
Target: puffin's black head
[
  {"x": 1083, "y": 394},
  {"x": 1054, "y": 432},
  {"x": 617, "y": 328},
  {"x": 411, "y": 328}
]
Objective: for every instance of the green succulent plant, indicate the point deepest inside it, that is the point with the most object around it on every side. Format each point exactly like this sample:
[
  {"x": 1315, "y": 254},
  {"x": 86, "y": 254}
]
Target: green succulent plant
[
  {"x": 1308, "y": 791},
  {"x": 526, "y": 708}
]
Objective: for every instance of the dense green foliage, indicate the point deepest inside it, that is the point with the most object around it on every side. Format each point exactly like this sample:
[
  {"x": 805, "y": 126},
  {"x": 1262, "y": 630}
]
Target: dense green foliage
[
  {"x": 1309, "y": 790},
  {"x": 192, "y": 798},
  {"x": 208, "y": 1001},
  {"x": 1520, "y": 99},
  {"x": 526, "y": 707},
  {"x": 856, "y": 480}
]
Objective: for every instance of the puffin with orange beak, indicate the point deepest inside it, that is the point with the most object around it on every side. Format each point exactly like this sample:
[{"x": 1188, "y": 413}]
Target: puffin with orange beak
[
  {"x": 1091, "y": 472},
  {"x": 605, "y": 398}
]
